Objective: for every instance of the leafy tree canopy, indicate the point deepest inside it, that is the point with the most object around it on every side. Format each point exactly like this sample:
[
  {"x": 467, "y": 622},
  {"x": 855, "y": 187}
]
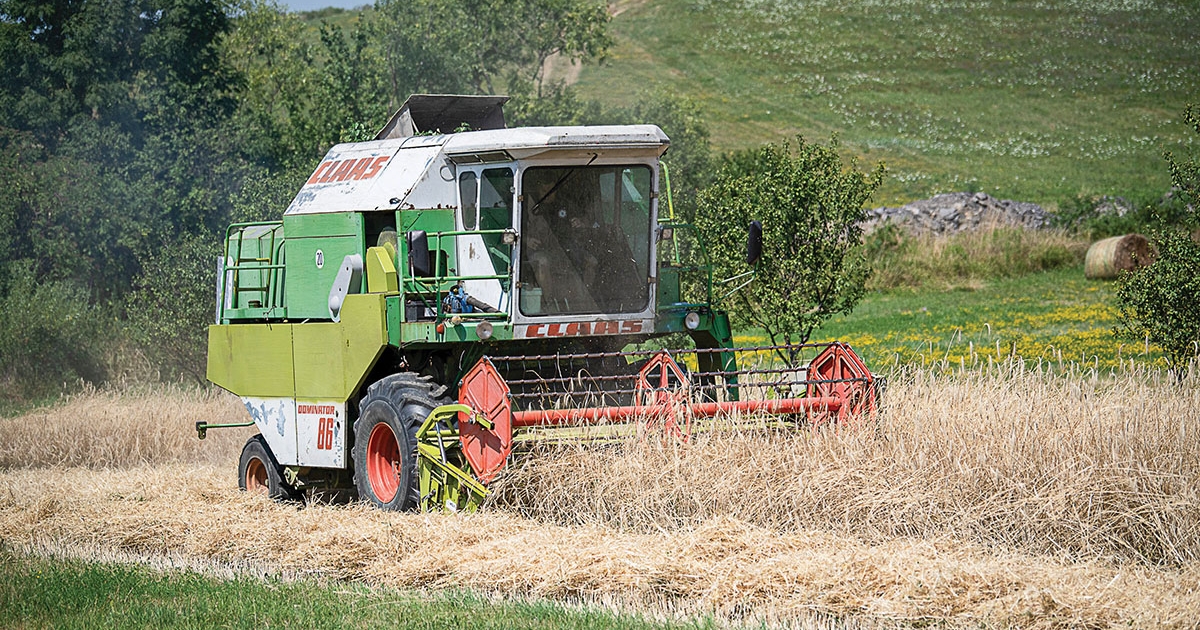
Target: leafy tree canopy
[
  {"x": 810, "y": 205},
  {"x": 142, "y": 65},
  {"x": 458, "y": 45}
]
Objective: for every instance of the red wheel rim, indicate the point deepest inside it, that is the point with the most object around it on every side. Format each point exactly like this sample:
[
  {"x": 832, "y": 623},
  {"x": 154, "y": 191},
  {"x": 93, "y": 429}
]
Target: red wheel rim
[
  {"x": 256, "y": 476},
  {"x": 383, "y": 463}
]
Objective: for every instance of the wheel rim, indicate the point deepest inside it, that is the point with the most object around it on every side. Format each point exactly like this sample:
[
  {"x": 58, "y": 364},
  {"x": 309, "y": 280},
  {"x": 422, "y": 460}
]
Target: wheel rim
[
  {"x": 383, "y": 463},
  {"x": 256, "y": 476}
]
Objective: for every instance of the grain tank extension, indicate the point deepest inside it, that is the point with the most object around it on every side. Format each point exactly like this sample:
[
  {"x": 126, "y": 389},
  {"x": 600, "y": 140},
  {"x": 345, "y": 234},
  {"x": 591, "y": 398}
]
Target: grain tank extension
[{"x": 431, "y": 301}]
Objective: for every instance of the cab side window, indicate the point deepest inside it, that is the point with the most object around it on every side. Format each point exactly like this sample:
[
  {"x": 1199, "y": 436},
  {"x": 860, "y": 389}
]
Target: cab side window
[{"x": 468, "y": 195}]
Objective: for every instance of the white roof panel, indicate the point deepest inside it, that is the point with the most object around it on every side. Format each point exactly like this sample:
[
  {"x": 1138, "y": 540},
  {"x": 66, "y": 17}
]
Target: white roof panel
[
  {"x": 366, "y": 175},
  {"x": 384, "y": 174},
  {"x": 527, "y": 141}
]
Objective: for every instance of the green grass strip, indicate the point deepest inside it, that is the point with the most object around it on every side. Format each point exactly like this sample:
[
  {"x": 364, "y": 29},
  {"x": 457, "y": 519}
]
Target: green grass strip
[
  {"x": 1057, "y": 316},
  {"x": 38, "y": 592}
]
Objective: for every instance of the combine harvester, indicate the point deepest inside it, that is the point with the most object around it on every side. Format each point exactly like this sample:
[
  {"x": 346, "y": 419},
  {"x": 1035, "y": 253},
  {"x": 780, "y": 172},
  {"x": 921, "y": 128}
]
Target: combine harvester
[{"x": 520, "y": 272}]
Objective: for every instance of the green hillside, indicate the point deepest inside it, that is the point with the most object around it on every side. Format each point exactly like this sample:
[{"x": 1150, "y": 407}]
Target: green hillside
[{"x": 1038, "y": 101}]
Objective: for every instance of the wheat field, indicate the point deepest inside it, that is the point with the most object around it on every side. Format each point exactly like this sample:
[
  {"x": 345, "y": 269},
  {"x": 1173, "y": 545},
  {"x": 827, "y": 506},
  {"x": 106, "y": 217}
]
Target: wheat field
[{"x": 1002, "y": 497}]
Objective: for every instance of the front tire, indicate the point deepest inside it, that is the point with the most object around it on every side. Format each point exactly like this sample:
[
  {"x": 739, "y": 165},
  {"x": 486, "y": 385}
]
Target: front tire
[
  {"x": 259, "y": 472},
  {"x": 385, "y": 438}
]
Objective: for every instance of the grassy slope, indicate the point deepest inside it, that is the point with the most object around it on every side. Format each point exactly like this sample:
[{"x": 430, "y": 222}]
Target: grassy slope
[
  {"x": 1056, "y": 315},
  {"x": 38, "y": 592},
  {"x": 1037, "y": 101}
]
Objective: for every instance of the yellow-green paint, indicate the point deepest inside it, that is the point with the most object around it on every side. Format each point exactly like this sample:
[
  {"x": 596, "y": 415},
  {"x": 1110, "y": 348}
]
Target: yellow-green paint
[
  {"x": 381, "y": 271},
  {"x": 252, "y": 359},
  {"x": 314, "y": 360},
  {"x": 444, "y": 474},
  {"x": 332, "y": 359}
]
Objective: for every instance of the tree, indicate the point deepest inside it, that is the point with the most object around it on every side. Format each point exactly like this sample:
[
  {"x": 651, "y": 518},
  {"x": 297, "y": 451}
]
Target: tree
[
  {"x": 140, "y": 65},
  {"x": 810, "y": 205},
  {"x": 114, "y": 144},
  {"x": 471, "y": 45},
  {"x": 1161, "y": 302},
  {"x": 690, "y": 156},
  {"x": 173, "y": 304}
]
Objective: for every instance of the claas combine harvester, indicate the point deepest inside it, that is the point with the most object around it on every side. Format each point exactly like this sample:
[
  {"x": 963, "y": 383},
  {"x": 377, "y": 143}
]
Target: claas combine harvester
[{"x": 430, "y": 301}]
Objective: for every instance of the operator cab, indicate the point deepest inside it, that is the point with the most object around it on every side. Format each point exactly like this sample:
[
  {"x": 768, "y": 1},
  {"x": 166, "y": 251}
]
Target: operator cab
[
  {"x": 582, "y": 202},
  {"x": 537, "y": 231}
]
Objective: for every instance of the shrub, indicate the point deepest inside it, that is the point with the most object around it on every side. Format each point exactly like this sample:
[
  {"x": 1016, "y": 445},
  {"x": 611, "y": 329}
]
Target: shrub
[
  {"x": 903, "y": 260},
  {"x": 49, "y": 336},
  {"x": 173, "y": 304},
  {"x": 811, "y": 208},
  {"x": 1161, "y": 302}
]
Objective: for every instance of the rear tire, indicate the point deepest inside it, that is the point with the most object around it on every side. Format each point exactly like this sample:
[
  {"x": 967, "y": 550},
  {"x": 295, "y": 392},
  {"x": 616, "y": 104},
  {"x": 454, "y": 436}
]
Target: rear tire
[
  {"x": 259, "y": 472},
  {"x": 385, "y": 438}
]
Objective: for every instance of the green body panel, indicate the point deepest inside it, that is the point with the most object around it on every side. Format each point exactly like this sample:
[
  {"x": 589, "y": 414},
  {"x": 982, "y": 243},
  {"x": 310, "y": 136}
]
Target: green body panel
[
  {"x": 332, "y": 359},
  {"x": 315, "y": 360},
  {"x": 335, "y": 236},
  {"x": 393, "y": 317},
  {"x": 426, "y": 332},
  {"x": 431, "y": 220},
  {"x": 715, "y": 332},
  {"x": 668, "y": 285},
  {"x": 323, "y": 225},
  {"x": 252, "y": 359}
]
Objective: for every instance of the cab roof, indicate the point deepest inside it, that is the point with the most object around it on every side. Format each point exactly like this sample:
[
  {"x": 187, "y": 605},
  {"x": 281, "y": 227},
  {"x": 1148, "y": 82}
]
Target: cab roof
[{"x": 406, "y": 172}]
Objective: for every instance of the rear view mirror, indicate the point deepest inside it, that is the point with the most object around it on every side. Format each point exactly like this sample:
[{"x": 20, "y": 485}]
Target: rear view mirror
[
  {"x": 418, "y": 253},
  {"x": 754, "y": 243}
]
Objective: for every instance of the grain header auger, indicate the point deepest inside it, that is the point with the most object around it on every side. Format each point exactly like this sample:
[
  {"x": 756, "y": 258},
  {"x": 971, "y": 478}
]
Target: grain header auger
[{"x": 430, "y": 300}]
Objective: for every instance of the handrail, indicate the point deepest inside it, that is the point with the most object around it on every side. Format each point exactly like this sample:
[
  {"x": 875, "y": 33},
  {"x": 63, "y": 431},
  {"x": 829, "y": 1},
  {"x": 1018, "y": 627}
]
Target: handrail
[
  {"x": 438, "y": 279},
  {"x": 667, "y": 181},
  {"x": 233, "y": 266},
  {"x": 707, "y": 267}
]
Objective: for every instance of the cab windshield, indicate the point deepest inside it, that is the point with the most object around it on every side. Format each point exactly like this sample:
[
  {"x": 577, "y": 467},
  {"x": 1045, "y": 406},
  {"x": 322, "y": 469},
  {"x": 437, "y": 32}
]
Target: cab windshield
[{"x": 585, "y": 240}]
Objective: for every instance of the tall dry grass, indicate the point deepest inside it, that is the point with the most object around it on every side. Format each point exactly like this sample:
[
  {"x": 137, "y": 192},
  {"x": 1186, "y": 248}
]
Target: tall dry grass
[
  {"x": 114, "y": 428},
  {"x": 966, "y": 259},
  {"x": 1088, "y": 467},
  {"x": 191, "y": 515},
  {"x": 991, "y": 498}
]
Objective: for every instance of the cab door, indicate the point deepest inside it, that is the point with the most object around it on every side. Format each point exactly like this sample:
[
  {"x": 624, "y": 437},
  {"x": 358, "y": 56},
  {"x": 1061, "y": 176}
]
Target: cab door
[{"x": 486, "y": 196}]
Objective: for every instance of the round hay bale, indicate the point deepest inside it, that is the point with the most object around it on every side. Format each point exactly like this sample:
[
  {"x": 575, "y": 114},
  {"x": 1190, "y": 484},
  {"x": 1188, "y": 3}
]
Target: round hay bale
[{"x": 1109, "y": 257}]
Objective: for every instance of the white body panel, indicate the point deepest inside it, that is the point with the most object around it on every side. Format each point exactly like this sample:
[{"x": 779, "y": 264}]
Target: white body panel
[
  {"x": 419, "y": 172},
  {"x": 321, "y": 434},
  {"x": 276, "y": 421},
  {"x": 366, "y": 176},
  {"x": 473, "y": 260},
  {"x": 527, "y": 142},
  {"x": 304, "y": 433}
]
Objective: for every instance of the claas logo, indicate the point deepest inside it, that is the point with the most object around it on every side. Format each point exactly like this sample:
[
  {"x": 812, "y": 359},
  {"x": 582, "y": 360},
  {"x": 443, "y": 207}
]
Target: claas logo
[{"x": 345, "y": 170}]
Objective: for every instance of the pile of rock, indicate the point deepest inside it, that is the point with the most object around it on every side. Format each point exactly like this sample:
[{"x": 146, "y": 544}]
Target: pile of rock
[{"x": 956, "y": 212}]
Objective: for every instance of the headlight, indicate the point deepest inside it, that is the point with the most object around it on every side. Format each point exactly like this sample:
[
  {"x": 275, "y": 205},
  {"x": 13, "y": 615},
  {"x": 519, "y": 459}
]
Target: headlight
[
  {"x": 509, "y": 238},
  {"x": 484, "y": 331},
  {"x": 692, "y": 320}
]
